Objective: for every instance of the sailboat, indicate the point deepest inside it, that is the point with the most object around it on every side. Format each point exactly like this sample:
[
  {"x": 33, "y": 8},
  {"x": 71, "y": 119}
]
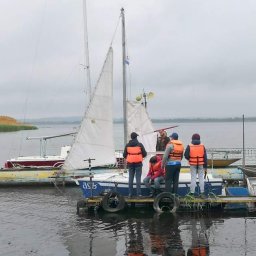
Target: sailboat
[
  {"x": 94, "y": 143},
  {"x": 40, "y": 161}
]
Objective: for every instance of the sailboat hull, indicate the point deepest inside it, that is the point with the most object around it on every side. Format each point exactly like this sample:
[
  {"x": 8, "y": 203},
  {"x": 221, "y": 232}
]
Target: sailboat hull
[{"x": 119, "y": 183}]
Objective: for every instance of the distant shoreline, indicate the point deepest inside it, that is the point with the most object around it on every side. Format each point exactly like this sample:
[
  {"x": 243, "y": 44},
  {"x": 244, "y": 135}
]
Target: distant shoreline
[
  {"x": 77, "y": 120},
  {"x": 9, "y": 124}
]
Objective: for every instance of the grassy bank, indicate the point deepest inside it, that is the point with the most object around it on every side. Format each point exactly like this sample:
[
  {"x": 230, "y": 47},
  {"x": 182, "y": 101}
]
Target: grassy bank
[
  {"x": 9, "y": 124},
  {"x": 14, "y": 128}
]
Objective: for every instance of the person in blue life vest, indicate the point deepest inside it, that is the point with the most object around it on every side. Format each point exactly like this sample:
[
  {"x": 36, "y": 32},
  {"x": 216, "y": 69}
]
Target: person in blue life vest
[
  {"x": 172, "y": 162},
  {"x": 155, "y": 175},
  {"x": 196, "y": 154},
  {"x": 134, "y": 152}
]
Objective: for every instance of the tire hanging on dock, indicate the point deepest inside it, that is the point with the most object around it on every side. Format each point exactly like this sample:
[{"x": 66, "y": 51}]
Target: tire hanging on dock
[
  {"x": 81, "y": 207},
  {"x": 113, "y": 202},
  {"x": 166, "y": 202}
]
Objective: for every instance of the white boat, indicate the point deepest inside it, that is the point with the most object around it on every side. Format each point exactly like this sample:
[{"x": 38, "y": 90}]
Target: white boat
[
  {"x": 94, "y": 144},
  {"x": 35, "y": 170},
  {"x": 42, "y": 160},
  {"x": 251, "y": 185}
]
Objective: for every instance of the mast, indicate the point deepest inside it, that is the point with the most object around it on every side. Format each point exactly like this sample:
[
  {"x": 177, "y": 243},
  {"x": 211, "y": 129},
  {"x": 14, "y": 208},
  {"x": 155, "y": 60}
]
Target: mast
[
  {"x": 86, "y": 51},
  {"x": 243, "y": 160},
  {"x": 124, "y": 77}
]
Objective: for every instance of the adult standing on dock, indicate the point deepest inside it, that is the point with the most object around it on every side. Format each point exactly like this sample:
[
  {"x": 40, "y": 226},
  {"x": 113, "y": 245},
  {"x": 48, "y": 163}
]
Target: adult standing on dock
[
  {"x": 172, "y": 162},
  {"x": 195, "y": 153},
  {"x": 134, "y": 152}
]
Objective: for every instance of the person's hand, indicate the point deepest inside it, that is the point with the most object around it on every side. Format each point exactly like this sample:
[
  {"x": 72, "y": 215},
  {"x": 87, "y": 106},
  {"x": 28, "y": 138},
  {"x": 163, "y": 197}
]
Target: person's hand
[{"x": 205, "y": 172}]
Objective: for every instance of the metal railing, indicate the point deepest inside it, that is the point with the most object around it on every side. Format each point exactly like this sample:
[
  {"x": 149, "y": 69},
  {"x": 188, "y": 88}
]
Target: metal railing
[{"x": 219, "y": 153}]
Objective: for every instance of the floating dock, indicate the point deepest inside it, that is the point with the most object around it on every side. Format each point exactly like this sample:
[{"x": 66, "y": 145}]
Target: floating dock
[
  {"x": 220, "y": 199},
  {"x": 114, "y": 202}
]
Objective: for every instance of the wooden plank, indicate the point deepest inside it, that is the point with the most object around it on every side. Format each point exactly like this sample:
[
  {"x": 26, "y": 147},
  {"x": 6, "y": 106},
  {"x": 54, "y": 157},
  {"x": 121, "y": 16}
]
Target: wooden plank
[{"x": 220, "y": 199}]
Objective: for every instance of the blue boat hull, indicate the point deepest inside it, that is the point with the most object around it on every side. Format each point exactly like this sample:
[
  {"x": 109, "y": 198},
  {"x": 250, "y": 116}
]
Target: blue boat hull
[
  {"x": 236, "y": 191},
  {"x": 97, "y": 188}
]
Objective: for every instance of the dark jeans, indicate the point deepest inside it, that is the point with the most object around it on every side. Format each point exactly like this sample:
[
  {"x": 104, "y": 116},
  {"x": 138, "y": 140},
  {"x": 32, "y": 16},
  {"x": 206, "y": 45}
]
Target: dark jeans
[
  {"x": 172, "y": 173},
  {"x": 135, "y": 171}
]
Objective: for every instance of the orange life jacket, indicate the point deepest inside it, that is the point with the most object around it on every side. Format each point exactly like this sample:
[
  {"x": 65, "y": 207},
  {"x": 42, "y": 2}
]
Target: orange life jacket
[
  {"x": 199, "y": 251},
  {"x": 178, "y": 148},
  {"x": 196, "y": 156},
  {"x": 134, "y": 155}
]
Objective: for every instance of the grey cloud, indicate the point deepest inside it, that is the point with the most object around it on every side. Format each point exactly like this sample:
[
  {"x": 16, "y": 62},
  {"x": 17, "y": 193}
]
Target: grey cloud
[{"x": 197, "y": 56}]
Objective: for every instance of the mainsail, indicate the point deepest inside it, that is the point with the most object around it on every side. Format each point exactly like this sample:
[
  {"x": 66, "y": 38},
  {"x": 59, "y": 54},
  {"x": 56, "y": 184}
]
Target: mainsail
[{"x": 95, "y": 138}]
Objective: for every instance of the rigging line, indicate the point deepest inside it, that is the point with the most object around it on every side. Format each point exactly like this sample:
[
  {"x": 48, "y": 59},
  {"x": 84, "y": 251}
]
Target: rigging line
[
  {"x": 114, "y": 35},
  {"x": 130, "y": 82},
  {"x": 33, "y": 65},
  {"x": 86, "y": 51},
  {"x": 64, "y": 83},
  {"x": 129, "y": 69},
  {"x": 34, "y": 58}
]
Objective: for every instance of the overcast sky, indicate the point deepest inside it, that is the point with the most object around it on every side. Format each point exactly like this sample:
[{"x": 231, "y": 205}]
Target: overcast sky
[{"x": 198, "y": 57}]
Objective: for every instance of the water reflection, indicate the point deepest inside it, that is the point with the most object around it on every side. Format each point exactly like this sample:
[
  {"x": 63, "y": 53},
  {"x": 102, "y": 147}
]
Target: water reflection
[
  {"x": 144, "y": 232},
  {"x": 200, "y": 240},
  {"x": 134, "y": 243},
  {"x": 43, "y": 221},
  {"x": 165, "y": 235}
]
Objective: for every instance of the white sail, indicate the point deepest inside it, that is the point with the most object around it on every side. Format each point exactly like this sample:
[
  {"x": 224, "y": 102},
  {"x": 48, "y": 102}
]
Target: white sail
[
  {"x": 138, "y": 121},
  {"x": 95, "y": 138}
]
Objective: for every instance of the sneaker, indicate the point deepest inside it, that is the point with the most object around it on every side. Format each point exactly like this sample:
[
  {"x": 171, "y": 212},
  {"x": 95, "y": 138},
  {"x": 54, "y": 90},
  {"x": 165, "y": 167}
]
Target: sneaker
[{"x": 190, "y": 194}]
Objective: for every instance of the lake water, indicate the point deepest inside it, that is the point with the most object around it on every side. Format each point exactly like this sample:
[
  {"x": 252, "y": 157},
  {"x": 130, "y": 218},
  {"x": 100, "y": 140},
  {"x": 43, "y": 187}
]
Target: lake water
[
  {"x": 213, "y": 135},
  {"x": 43, "y": 220}
]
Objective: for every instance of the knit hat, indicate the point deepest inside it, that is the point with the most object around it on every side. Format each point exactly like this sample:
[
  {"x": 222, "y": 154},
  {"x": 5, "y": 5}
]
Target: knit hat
[
  {"x": 153, "y": 159},
  {"x": 196, "y": 136},
  {"x": 134, "y": 135},
  {"x": 175, "y": 136}
]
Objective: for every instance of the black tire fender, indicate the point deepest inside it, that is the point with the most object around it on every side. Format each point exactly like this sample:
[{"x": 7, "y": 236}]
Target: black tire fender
[
  {"x": 171, "y": 205},
  {"x": 113, "y": 202},
  {"x": 81, "y": 206}
]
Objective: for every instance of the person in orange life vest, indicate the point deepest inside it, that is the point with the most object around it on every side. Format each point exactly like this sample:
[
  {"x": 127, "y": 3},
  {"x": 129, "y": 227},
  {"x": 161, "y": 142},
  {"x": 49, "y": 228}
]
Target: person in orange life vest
[
  {"x": 134, "y": 152},
  {"x": 155, "y": 174},
  {"x": 172, "y": 162},
  {"x": 162, "y": 140},
  {"x": 195, "y": 153}
]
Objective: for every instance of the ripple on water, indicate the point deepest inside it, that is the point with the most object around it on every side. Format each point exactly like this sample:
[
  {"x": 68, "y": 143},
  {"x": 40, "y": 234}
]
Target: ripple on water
[{"x": 43, "y": 221}]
